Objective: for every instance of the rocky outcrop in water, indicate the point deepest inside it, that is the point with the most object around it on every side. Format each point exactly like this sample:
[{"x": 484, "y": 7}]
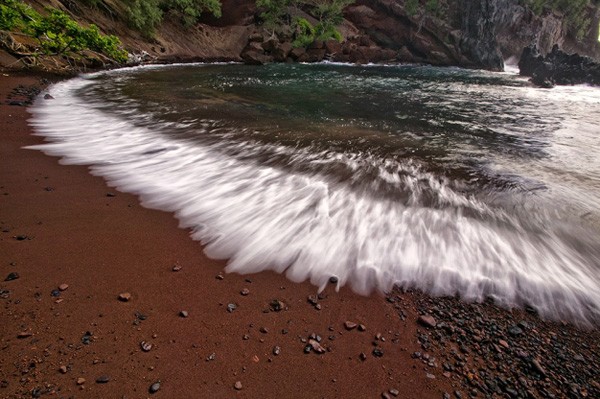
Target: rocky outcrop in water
[{"x": 558, "y": 67}]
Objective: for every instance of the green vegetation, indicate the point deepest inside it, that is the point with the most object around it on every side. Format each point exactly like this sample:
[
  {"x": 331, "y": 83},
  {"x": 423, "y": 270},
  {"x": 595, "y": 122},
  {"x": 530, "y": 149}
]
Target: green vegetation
[
  {"x": 577, "y": 17},
  {"x": 328, "y": 13},
  {"x": 57, "y": 33},
  {"x": 147, "y": 15}
]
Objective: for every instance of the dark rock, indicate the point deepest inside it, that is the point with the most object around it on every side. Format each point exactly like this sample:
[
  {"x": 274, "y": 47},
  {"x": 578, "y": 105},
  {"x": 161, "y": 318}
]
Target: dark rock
[
  {"x": 154, "y": 387},
  {"x": 333, "y": 280},
  {"x": 183, "y": 314},
  {"x": 86, "y": 339},
  {"x": 264, "y": 330},
  {"x": 378, "y": 352},
  {"x": 103, "y": 379},
  {"x": 276, "y": 350},
  {"x": 515, "y": 331},
  {"x": 276, "y": 305},
  {"x": 111, "y": 195},
  {"x": 558, "y": 67},
  {"x": 48, "y": 97},
  {"x": 21, "y": 237},
  {"x": 24, "y": 334},
  {"x": 12, "y": 276},
  {"x": 362, "y": 356}
]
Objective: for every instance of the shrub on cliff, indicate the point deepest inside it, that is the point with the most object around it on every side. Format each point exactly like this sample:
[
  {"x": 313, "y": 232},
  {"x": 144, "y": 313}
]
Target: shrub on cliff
[
  {"x": 328, "y": 13},
  {"x": 57, "y": 33}
]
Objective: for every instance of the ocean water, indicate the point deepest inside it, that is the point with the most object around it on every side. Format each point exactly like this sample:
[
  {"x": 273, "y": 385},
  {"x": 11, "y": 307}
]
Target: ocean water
[{"x": 448, "y": 180}]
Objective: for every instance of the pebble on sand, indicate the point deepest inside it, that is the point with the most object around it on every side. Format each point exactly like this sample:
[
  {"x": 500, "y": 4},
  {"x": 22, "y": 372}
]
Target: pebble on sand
[
  {"x": 238, "y": 385},
  {"x": 350, "y": 325},
  {"x": 63, "y": 287},
  {"x": 124, "y": 297},
  {"x": 427, "y": 321},
  {"x": 154, "y": 387},
  {"x": 183, "y": 314},
  {"x": 102, "y": 379},
  {"x": 63, "y": 369},
  {"x": 80, "y": 381},
  {"x": 12, "y": 276}
]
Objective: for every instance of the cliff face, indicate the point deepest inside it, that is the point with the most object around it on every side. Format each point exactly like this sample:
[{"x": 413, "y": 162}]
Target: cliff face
[{"x": 467, "y": 33}]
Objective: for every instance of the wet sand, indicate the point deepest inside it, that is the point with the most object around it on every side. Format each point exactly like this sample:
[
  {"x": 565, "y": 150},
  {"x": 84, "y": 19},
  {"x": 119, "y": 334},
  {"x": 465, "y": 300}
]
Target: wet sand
[{"x": 61, "y": 225}]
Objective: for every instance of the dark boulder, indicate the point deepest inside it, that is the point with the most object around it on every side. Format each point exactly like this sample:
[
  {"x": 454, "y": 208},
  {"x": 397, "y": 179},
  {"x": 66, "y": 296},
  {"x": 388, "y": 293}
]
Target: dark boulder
[{"x": 558, "y": 68}]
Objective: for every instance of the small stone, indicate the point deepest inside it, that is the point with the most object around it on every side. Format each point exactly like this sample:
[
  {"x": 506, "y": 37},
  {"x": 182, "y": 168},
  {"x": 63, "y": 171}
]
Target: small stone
[
  {"x": 318, "y": 306},
  {"x": 63, "y": 369},
  {"x": 154, "y": 387},
  {"x": 183, "y": 314},
  {"x": 276, "y": 350},
  {"x": 146, "y": 346},
  {"x": 176, "y": 268},
  {"x": 238, "y": 386},
  {"x": 211, "y": 357},
  {"x": 110, "y": 195},
  {"x": 385, "y": 395},
  {"x": 394, "y": 392},
  {"x": 276, "y": 305},
  {"x": 124, "y": 297},
  {"x": 538, "y": 367},
  {"x": 312, "y": 299},
  {"x": 349, "y": 325},
  {"x": 63, "y": 287},
  {"x": 231, "y": 307},
  {"x": 504, "y": 343},
  {"x": 362, "y": 356},
  {"x": 55, "y": 293},
  {"x": 333, "y": 280},
  {"x": 264, "y": 330},
  {"x": 362, "y": 327},
  {"x": 24, "y": 334},
  {"x": 430, "y": 376},
  {"x": 21, "y": 237},
  {"x": 12, "y": 276},
  {"x": 219, "y": 276},
  {"x": 102, "y": 379},
  {"x": 246, "y": 337},
  {"x": 515, "y": 331},
  {"x": 316, "y": 346},
  {"x": 245, "y": 292},
  {"x": 308, "y": 348},
  {"x": 427, "y": 321},
  {"x": 80, "y": 381},
  {"x": 377, "y": 352}
]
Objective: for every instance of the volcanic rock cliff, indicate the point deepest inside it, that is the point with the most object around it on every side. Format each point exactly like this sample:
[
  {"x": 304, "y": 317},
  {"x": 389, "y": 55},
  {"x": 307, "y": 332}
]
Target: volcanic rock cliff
[{"x": 467, "y": 33}]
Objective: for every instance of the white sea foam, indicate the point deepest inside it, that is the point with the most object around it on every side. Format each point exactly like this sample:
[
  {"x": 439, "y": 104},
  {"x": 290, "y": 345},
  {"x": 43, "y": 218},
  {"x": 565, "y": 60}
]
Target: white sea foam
[{"x": 310, "y": 227}]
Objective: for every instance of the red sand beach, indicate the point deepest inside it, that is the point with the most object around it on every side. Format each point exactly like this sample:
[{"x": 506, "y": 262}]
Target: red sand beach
[{"x": 62, "y": 227}]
